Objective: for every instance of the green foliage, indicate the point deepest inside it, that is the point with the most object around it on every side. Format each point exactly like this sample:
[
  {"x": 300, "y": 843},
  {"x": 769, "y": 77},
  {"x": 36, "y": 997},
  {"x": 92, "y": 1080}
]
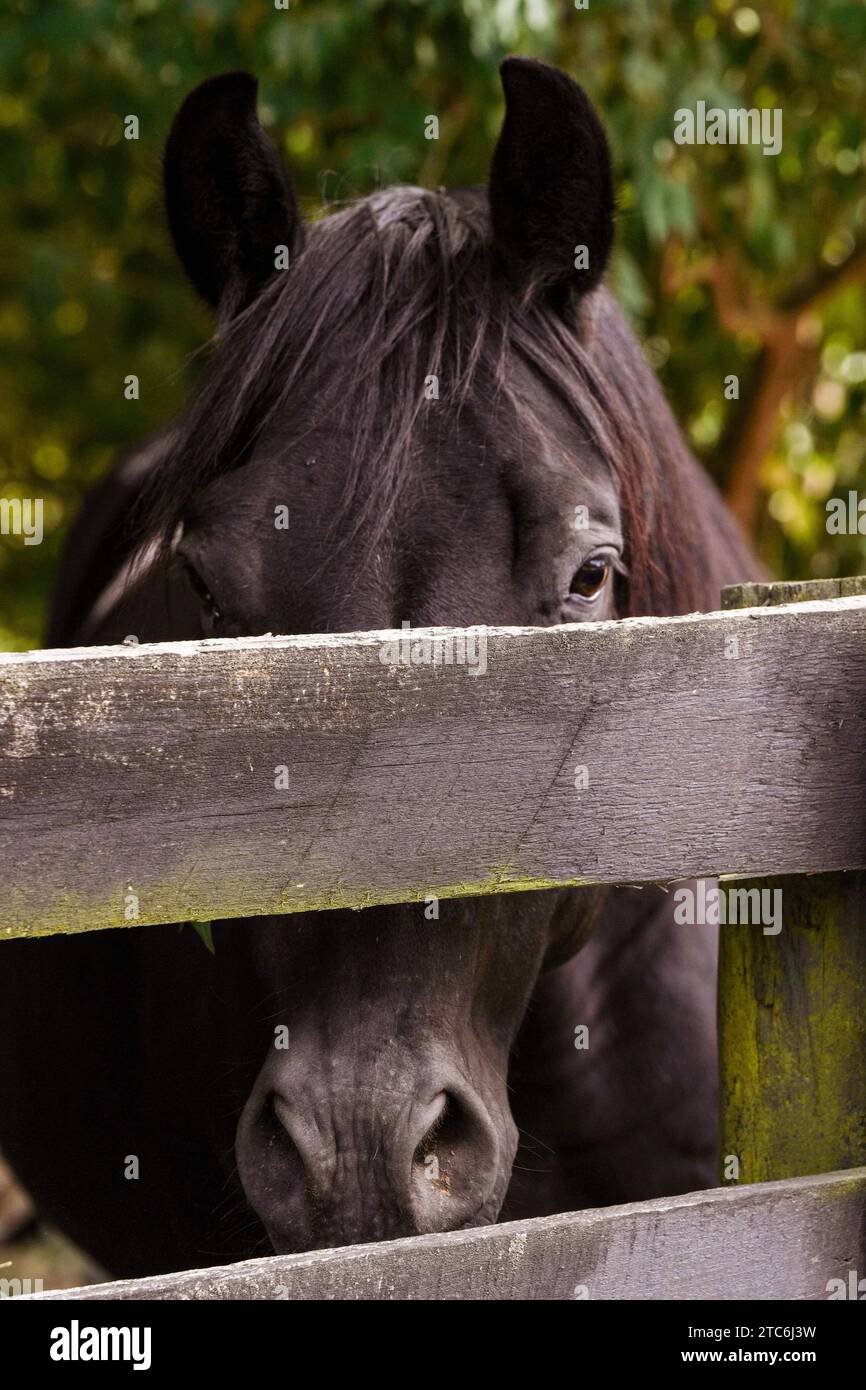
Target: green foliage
[
  {"x": 204, "y": 930},
  {"x": 91, "y": 292}
]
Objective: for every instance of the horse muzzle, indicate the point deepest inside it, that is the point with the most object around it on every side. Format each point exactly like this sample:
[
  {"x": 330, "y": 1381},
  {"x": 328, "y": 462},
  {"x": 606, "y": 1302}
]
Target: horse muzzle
[{"x": 337, "y": 1164}]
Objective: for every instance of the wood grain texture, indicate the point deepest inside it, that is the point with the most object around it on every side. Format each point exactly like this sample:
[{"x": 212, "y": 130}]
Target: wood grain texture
[
  {"x": 758, "y": 595},
  {"x": 792, "y": 1032},
  {"x": 782, "y": 1240},
  {"x": 143, "y": 777},
  {"x": 792, "y": 1007}
]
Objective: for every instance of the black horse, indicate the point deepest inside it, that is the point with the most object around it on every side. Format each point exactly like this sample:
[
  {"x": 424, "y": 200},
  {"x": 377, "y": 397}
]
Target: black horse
[{"x": 444, "y": 395}]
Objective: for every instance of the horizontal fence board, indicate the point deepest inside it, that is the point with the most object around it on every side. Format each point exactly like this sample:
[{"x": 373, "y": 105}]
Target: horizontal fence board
[
  {"x": 781, "y": 1240},
  {"x": 142, "y": 778},
  {"x": 756, "y": 594}
]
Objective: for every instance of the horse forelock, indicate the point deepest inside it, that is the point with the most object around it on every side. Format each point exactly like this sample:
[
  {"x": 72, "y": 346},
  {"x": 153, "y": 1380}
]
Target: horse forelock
[{"x": 389, "y": 293}]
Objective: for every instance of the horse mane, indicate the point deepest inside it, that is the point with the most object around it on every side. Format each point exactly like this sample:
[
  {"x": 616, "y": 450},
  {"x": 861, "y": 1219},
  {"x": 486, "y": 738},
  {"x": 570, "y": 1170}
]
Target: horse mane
[{"x": 402, "y": 286}]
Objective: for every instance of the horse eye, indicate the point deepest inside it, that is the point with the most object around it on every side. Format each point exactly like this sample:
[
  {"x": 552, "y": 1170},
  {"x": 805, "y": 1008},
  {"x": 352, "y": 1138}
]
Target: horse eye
[
  {"x": 591, "y": 578},
  {"x": 210, "y": 607}
]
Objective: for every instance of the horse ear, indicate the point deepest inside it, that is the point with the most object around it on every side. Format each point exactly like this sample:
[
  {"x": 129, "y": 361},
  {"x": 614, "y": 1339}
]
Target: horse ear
[
  {"x": 551, "y": 185},
  {"x": 229, "y": 203}
]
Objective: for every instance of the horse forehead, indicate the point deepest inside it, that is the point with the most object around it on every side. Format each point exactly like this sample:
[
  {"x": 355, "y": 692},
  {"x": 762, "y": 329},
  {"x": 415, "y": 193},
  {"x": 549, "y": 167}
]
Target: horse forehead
[
  {"x": 319, "y": 454},
  {"x": 466, "y": 456},
  {"x": 553, "y": 465},
  {"x": 574, "y": 473}
]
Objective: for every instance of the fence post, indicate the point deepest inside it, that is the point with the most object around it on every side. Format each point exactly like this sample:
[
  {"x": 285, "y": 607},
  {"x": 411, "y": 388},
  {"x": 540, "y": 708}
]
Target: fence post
[{"x": 792, "y": 1006}]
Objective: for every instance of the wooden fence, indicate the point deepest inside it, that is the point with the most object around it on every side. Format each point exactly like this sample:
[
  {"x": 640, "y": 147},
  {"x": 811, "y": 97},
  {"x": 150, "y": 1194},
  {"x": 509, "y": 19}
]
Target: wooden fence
[{"x": 275, "y": 775}]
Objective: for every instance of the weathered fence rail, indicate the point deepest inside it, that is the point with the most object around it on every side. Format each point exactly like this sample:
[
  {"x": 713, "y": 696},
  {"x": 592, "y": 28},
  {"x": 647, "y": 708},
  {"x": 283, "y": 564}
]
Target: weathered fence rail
[
  {"x": 274, "y": 775},
  {"x": 792, "y": 1007},
  {"x": 224, "y": 779},
  {"x": 776, "y": 1240}
]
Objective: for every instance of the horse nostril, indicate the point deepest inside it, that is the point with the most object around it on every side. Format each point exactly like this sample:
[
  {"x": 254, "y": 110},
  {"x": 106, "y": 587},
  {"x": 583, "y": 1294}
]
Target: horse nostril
[
  {"x": 426, "y": 1155},
  {"x": 454, "y": 1162},
  {"x": 276, "y": 1172},
  {"x": 275, "y": 1121},
  {"x": 285, "y": 1161}
]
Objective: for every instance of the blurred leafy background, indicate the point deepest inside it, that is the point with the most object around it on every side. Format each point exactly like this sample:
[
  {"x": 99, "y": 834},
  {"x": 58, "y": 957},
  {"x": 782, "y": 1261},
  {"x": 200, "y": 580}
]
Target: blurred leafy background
[{"x": 729, "y": 261}]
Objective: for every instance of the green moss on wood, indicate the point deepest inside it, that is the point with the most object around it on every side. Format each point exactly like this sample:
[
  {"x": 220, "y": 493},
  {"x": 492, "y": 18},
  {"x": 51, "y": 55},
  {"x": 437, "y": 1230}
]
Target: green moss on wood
[
  {"x": 166, "y": 901},
  {"x": 792, "y": 1032}
]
